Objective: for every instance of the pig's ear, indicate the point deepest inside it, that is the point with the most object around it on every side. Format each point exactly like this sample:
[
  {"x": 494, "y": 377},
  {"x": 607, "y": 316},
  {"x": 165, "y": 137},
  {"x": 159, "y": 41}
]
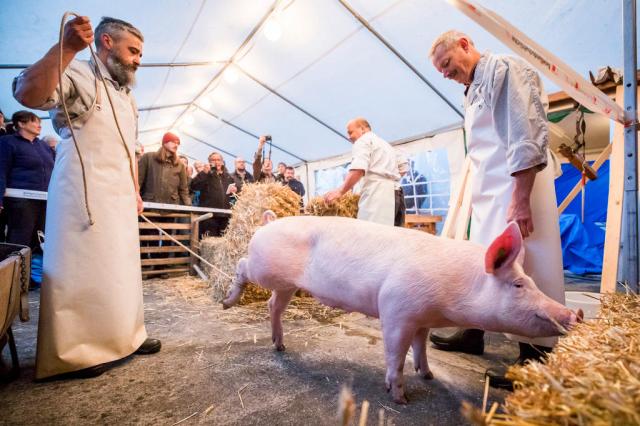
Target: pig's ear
[{"x": 504, "y": 250}]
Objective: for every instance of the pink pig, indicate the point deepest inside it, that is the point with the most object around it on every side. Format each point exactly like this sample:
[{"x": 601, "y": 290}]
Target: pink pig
[{"x": 411, "y": 280}]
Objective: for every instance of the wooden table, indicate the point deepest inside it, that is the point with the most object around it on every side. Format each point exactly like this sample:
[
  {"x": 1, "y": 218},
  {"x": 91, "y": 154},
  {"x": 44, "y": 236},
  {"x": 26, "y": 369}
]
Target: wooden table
[{"x": 424, "y": 223}]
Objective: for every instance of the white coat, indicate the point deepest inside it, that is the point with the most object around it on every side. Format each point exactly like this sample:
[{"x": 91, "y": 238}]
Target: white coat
[
  {"x": 378, "y": 161},
  {"x": 499, "y": 143}
]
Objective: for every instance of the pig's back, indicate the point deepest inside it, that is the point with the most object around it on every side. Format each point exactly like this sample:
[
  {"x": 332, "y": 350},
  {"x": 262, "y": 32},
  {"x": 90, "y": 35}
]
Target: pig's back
[{"x": 345, "y": 262}]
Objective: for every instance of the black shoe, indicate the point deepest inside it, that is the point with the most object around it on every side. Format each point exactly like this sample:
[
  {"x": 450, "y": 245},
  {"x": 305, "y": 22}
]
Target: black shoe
[
  {"x": 470, "y": 341},
  {"x": 148, "y": 347},
  {"x": 497, "y": 378},
  {"x": 528, "y": 352},
  {"x": 85, "y": 373}
]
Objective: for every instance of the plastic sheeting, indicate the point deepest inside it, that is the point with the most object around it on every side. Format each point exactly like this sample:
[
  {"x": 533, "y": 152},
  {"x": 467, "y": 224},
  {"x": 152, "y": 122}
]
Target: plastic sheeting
[
  {"x": 583, "y": 241},
  {"x": 324, "y": 61}
]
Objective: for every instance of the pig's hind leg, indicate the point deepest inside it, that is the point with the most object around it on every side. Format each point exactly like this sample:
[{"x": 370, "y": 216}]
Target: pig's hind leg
[
  {"x": 419, "y": 348},
  {"x": 238, "y": 284},
  {"x": 277, "y": 304}
]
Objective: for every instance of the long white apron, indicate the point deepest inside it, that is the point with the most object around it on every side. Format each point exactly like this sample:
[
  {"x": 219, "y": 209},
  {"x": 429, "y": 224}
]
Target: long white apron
[
  {"x": 91, "y": 298},
  {"x": 377, "y": 199},
  {"x": 491, "y": 194}
]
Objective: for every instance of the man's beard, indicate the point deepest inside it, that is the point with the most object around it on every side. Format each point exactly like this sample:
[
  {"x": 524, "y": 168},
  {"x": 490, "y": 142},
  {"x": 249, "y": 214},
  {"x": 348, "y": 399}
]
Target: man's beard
[{"x": 124, "y": 74}]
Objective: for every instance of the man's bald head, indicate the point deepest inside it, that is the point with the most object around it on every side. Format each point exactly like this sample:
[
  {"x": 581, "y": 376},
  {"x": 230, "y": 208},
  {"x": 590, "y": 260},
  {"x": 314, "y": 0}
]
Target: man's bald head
[{"x": 357, "y": 127}]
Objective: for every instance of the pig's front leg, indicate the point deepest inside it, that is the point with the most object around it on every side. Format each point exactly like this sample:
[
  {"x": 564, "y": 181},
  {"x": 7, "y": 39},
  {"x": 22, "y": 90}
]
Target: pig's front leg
[
  {"x": 419, "y": 348},
  {"x": 277, "y": 304},
  {"x": 397, "y": 339}
]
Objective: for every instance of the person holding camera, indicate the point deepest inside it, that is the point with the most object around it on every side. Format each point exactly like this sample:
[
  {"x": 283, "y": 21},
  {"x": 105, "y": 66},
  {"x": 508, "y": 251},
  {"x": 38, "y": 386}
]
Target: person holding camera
[
  {"x": 216, "y": 187},
  {"x": 263, "y": 169}
]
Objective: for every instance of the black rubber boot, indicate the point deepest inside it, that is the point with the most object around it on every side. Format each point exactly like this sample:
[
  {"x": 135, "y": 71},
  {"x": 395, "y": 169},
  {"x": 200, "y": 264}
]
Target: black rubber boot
[
  {"x": 469, "y": 341},
  {"x": 528, "y": 353}
]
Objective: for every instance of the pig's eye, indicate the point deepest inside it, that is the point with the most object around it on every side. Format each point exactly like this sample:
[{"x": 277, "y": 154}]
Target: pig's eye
[{"x": 517, "y": 284}]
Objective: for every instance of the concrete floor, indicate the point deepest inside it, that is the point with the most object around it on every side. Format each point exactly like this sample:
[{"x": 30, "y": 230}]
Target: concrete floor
[{"x": 209, "y": 355}]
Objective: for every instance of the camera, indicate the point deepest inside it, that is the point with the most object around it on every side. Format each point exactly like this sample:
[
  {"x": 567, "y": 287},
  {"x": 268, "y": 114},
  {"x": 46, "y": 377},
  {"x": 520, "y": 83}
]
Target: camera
[{"x": 267, "y": 138}]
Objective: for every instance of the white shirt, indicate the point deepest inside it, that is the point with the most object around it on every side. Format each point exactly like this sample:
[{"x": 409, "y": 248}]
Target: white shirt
[{"x": 375, "y": 156}]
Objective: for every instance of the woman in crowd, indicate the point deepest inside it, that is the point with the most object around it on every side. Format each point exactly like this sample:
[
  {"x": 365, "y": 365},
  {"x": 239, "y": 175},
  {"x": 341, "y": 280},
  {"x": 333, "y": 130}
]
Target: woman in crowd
[{"x": 26, "y": 162}]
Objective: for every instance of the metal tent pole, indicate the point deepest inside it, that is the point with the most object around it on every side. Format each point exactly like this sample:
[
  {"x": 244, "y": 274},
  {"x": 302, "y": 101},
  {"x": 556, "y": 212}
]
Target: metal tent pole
[{"x": 630, "y": 242}]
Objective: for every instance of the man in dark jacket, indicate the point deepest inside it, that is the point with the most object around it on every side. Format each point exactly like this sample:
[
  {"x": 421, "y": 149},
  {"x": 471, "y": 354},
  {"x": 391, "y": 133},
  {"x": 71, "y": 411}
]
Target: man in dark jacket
[
  {"x": 162, "y": 176},
  {"x": 216, "y": 186},
  {"x": 293, "y": 183},
  {"x": 241, "y": 175}
]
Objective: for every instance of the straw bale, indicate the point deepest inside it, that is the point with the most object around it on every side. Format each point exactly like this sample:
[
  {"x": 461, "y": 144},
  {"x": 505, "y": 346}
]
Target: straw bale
[
  {"x": 592, "y": 377},
  {"x": 346, "y": 206},
  {"x": 225, "y": 251}
]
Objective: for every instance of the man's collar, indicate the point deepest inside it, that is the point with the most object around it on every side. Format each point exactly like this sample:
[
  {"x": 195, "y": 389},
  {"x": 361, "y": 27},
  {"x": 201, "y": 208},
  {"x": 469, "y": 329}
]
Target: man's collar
[{"x": 478, "y": 72}]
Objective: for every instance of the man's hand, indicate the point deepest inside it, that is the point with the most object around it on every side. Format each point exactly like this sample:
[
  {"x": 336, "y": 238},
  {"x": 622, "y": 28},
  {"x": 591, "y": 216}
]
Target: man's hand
[
  {"x": 520, "y": 212},
  {"x": 261, "y": 142},
  {"x": 331, "y": 196},
  {"x": 78, "y": 34},
  {"x": 206, "y": 168},
  {"x": 519, "y": 209},
  {"x": 139, "y": 202}
]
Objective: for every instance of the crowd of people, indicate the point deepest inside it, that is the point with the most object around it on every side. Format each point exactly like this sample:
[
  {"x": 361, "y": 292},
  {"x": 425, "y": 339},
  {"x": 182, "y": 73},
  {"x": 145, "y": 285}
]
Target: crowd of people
[{"x": 166, "y": 177}]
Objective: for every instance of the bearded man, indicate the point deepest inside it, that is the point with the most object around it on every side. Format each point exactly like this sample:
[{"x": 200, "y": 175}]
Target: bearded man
[{"x": 91, "y": 310}]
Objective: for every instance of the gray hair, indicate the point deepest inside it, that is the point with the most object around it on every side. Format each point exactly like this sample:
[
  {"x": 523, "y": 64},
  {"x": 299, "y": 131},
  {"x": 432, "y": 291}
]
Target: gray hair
[
  {"x": 48, "y": 138},
  {"x": 448, "y": 39},
  {"x": 114, "y": 27}
]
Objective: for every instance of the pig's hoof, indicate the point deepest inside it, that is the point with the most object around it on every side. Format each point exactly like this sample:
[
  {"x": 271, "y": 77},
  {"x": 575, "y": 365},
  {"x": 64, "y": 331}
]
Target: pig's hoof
[
  {"x": 402, "y": 400},
  {"x": 428, "y": 375},
  {"x": 280, "y": 347},
  {"x": 225, "y": 306}
]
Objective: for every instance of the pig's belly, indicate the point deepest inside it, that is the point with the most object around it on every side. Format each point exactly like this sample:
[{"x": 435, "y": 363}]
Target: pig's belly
[{"x": 348, "y": 306}]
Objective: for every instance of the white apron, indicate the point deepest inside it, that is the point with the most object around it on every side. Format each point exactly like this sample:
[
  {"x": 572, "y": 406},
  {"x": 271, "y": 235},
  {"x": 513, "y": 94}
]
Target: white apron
[
  {"x": 91, "y": 298},
  {"x": 491, "y": 194},
  {"x": 377, "y": 199}
]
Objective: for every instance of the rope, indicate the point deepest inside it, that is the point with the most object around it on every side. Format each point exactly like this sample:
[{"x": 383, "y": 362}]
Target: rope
[
  {"x": 66, "y": 114},
  {"x": 124, "y": 143},
  {"x": 187, "y": 248}
]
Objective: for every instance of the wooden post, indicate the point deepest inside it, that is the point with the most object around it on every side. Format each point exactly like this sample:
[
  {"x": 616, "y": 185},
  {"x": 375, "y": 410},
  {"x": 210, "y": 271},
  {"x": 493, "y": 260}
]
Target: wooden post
[
  {"x": 614, "y": 206},
  {"x": 449, "y": 227},
  {"x": 576, "y": 189},
  {"x": 194, "y": 243}
]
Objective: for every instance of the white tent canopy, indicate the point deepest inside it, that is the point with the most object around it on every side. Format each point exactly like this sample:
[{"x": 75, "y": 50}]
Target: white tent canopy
[{"x": 325, "y": 62}]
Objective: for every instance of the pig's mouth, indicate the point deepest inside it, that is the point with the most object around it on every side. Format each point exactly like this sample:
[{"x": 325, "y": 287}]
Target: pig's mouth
[{"x": 567, "y": 325}]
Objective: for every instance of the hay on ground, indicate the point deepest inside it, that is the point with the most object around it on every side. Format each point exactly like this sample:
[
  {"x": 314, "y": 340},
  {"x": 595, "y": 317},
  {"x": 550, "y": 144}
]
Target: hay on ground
[
  {"x": 592, "y": 377},
  {"x": 224, "y": 252}
]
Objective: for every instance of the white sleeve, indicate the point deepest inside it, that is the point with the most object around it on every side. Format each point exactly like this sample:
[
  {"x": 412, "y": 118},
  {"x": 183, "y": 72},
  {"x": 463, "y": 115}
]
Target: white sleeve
[{"x": 361, "y": 154}]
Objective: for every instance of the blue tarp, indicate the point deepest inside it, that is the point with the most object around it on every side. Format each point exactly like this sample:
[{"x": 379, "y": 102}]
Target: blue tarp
[{"x": 583, "y": 242}]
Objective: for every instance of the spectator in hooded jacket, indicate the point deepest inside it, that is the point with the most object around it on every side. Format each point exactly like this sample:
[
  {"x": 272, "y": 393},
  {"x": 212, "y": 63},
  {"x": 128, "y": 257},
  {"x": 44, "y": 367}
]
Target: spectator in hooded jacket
[{"x": 162, "y": 176}]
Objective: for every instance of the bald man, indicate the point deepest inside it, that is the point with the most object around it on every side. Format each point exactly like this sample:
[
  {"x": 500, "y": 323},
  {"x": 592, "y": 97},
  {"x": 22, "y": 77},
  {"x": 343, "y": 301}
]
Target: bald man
[{"x": 373, "y": 161}]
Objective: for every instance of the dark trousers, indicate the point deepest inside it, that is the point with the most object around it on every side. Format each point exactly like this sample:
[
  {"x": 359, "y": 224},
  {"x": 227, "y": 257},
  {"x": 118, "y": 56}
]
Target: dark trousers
[
  {"x": 24, "y": 218},
  {"x": 400, "y": 208},
  {"x": 3, "y": 225},
  {"x": 214, "y": 226}
]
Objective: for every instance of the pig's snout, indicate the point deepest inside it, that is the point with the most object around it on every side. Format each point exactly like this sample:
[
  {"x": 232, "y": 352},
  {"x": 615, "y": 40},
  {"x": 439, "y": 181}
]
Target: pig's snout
[{"x": 571, "y": 320}]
